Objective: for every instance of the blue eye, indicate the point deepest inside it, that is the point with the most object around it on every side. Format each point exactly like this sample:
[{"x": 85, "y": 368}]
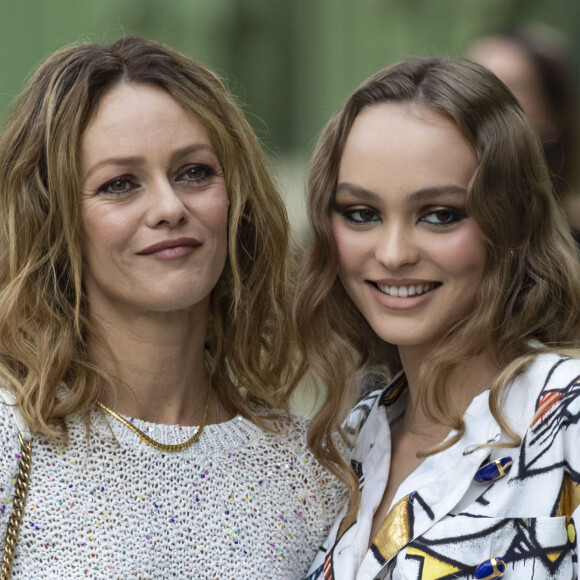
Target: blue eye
[
  {"x": 363, "y": 215},
  {"x": 443, "y": 217}
]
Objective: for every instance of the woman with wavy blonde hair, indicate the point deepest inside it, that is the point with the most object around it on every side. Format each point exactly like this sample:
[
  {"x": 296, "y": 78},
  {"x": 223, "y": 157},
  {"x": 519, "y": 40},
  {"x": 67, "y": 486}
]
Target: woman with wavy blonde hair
[
  {"x": 440, "y": 258},
  {"x": 143, "y": 342}
]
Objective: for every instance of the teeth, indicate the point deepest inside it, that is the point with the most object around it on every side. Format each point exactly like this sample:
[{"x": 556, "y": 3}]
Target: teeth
[{"x": 405, "y": 291}]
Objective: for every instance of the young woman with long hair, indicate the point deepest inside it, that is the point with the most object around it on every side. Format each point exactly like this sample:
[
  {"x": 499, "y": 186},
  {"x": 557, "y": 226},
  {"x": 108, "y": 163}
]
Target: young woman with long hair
[{"x": 443, "y": 278}]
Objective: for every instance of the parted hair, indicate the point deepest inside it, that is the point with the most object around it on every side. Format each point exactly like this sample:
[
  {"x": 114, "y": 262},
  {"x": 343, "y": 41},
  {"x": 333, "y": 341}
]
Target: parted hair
[
  {"x": 44, "y": 317},
  {"x": 530, "y": 291}
]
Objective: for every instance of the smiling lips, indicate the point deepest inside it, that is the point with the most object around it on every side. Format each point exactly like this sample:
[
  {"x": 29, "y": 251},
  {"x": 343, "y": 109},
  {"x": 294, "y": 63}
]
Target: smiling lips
[
  {"x": 171, "y": 248},
  {"x": 406, "y": 291}
]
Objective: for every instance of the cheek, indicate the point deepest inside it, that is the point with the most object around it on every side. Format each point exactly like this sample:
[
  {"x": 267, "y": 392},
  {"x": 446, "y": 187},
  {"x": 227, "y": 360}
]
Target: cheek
[
  {"x": 214, "y": 214},
  {"x": 468, "y": 253},
  {"x": 220, "y": 219},
  {"x": 350, "y": 247},
  {"x": 104, "y": 227}
]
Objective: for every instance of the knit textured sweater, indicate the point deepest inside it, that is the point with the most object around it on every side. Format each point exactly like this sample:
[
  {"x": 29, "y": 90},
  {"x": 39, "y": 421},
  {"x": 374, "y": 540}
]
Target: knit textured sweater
[{"x": 239, "y": 503}]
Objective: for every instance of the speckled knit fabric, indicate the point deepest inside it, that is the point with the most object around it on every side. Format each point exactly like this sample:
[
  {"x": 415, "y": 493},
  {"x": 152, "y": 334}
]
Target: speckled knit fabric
[{"x": 240, "y": 503}]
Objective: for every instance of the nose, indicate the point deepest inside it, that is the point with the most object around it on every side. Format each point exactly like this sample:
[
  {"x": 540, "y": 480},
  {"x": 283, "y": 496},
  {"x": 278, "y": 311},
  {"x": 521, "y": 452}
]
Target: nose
[
  {"x": 396, "y": 246},
  {"x": 166, "y": 207}
]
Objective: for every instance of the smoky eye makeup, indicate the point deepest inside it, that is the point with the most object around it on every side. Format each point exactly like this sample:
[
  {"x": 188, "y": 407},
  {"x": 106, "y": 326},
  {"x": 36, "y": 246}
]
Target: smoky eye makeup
[
  {"x": 360, "y": 215},
  {"x": 444, "y": 216}
]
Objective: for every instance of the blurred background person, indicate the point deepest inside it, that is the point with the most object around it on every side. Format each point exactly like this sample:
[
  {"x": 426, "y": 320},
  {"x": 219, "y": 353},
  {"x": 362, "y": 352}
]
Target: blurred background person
[{"x": 535, "y": 63}]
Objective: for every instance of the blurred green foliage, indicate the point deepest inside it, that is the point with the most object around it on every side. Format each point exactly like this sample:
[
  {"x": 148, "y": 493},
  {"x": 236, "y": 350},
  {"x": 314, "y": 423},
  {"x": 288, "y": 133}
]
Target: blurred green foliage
[{"x": 290, "y": 62}]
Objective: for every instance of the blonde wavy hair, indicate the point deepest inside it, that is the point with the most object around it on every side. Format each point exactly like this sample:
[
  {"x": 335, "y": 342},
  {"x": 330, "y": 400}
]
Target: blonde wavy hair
[
  {"x": 531, "y": 285},
  {"x": 44, "y": 318}
]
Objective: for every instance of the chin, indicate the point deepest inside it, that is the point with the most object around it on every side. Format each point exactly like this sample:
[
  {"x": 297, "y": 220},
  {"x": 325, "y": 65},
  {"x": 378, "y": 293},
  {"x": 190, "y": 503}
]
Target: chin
[
  {"x": 402, "y": 339},
  {"x": 175, "y": 302},
  {"x": 180, "y": 306}
]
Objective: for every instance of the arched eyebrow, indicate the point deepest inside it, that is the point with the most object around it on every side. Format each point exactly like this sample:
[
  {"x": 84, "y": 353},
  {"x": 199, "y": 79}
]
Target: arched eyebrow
[
  {"x": 359, "y": 192},
  {"x": 436, "y": 191},
  {"x": 430, "y": 193}
]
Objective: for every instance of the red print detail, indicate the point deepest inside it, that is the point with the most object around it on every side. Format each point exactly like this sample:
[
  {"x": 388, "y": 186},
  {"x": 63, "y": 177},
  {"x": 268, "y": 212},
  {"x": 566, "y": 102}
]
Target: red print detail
[
  {"x": 328, "y": 570},
  {"x": 546, "y": 403}
]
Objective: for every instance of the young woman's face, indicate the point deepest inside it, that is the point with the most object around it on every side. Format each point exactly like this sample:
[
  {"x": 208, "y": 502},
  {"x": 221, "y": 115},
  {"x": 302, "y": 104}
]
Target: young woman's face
[
  {"x": 411, "y": 258},
  {"x": 154, "y": 205}
]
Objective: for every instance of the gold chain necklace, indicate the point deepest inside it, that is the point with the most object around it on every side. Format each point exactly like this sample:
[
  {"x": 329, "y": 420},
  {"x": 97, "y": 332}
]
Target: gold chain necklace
[{"x": 161, "y": 446}]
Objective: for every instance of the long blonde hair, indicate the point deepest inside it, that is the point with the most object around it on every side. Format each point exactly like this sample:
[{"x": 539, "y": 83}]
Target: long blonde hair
[
  {"x": 531, "y": 285},
  {"x": 44, "y": 320}
]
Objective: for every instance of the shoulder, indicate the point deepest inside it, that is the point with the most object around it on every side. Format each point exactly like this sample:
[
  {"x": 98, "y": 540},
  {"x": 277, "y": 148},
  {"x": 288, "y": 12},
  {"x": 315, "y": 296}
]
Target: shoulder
[
  {"x": 291, "y": 438},
  {"x": 547, "y": 394},
  {"x": 284, "y": 433},
  {"x": 560, "y": 390},
  {"x": 11, "y": 421},
  {"x": 550, "y": 372},
  {"x": 285, "y": 452},
  {"x": 11, "y": 426},
  {"x": 549, "y": 362},
  {"x": 550, "y": 425},
  {"x": 290, "y": 432},
  {"x": 10, "y": 418}
]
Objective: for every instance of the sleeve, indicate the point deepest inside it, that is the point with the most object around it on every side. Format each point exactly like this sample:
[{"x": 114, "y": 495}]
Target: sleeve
[
  {"x": 554, "y": 445},
  {"x": 568, "y": 395}
]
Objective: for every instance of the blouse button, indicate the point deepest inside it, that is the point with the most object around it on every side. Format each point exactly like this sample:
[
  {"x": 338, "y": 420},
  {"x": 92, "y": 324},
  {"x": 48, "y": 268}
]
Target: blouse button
[
  {"x": 494, "y": 470},
  {"x": 493, "y": 568}
]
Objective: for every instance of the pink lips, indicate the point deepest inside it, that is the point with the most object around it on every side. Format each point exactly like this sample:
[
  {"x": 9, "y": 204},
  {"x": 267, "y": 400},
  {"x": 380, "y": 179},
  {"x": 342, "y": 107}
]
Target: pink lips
[
  {"x": 171, "y": 248},
  {"x": 403, "y": 296}
]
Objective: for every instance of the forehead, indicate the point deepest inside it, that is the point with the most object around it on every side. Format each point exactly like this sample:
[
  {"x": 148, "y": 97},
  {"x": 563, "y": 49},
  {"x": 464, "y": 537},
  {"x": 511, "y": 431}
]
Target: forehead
[
  {"x": 405, "y": 146},
  {"x": 385, "y": 119},
  {"x": 138, "y": 118},
  {"x": 127, "y": 101}
]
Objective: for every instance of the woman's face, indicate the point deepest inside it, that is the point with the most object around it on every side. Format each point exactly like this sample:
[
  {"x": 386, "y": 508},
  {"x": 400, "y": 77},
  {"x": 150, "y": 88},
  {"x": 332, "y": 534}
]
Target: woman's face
[
  {"x": 154, "y": 205},
  {"x": 411, "y": 259}
]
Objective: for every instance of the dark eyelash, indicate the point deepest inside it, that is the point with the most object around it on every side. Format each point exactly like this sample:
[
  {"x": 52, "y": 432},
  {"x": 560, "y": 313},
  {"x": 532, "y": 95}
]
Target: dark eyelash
[
  {"x": 122, "y": 179},
  {"x": 348, "y": 214},
  {"x": 208, "y": 172},
  {"x": 455, "y": 216}
]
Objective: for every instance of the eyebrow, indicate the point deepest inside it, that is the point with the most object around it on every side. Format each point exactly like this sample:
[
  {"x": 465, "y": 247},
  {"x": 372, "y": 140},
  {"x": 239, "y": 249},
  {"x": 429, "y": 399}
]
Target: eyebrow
[
  {"x": 435, "y": 191},
  {"x": 423, "y": 194},
  {"x": 135, "y": 160},
  {"x": 360, "y": 192}
]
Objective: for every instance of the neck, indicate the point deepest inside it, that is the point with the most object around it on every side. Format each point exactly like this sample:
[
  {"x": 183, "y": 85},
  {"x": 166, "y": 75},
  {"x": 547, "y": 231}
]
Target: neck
[
  {"x": 468, "y": 380},
  {"x": 158, "y": 361}
]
